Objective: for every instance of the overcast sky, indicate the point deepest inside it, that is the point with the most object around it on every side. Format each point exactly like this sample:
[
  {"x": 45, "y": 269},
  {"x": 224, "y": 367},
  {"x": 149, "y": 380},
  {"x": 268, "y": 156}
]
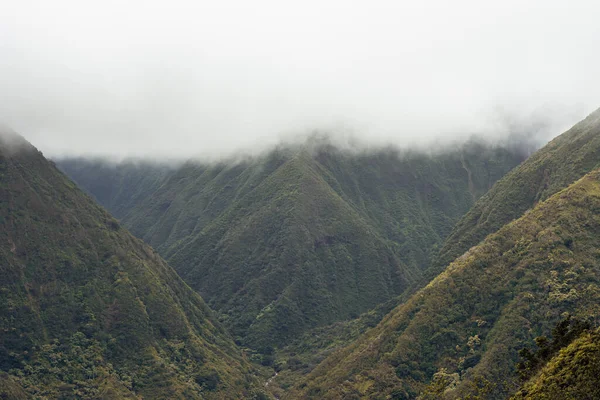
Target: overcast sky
[{"x": 212, "y": 77}]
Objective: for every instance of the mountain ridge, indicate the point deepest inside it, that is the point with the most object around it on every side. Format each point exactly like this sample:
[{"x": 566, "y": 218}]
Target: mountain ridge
[
  {"x": 400, "y": 204},
  {"x": 429, "y": 331},
  {"x": 460, "y": 335},
  {"x": 87, "y": 310},
  {"x": 561, "y": 162}
]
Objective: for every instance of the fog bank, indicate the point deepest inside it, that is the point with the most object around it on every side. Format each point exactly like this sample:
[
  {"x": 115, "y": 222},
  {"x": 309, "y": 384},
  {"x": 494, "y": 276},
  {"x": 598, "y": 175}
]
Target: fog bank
[{"x": 180, "y": 79}]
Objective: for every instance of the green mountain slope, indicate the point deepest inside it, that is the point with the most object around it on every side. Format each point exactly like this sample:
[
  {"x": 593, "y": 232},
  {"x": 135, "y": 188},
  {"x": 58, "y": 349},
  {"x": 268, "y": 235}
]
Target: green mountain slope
[
  {"x": 302, "y": 237},
  {"x": 560, "y": 163},
  {"x": 118, "y": 187},
  {"x": 89, "y": 311},
  {"x": 413, "y": 198},
  {"x": 465, "y": 328},
  {"x": 572, "y": 374},
  {"x": 293, "y": 255}
]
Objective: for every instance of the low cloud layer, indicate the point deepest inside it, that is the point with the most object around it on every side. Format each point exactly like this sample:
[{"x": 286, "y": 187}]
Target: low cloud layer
[{"x": 179, "y": 78}]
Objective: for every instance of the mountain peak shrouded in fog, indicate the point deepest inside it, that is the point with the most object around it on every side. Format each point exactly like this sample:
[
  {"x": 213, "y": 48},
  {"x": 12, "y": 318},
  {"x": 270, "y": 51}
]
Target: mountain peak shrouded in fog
[
  {"x": 321, "y": 199},
  {"x": 183, "y": 79}
]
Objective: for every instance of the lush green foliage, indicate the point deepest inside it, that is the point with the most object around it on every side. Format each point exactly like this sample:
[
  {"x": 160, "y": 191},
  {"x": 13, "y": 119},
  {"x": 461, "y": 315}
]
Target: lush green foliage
[
  {"x": 560, "y": 163},
  {"x": 304, "y": 353},
  {"x": 563, "y": 334},
  {"x": 572, "y": 374},
  {"x": 466, "y": 327},
  {"x": 117, "y": 187},
  {"x": 300, "y": 237},
  {"x": 285, "y": 244},
  {"x": 89, "y": 311}
]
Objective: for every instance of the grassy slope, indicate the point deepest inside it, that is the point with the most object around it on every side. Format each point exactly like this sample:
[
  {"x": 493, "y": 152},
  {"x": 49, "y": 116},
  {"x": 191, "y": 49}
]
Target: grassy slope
[
  {"x": 89, "y": 311},
  {"x": 272, "y": 243},
  {"x": 472, "y": 319},
  {"x": 572, "y": 374},
  {"x": 560, "y": 163}
]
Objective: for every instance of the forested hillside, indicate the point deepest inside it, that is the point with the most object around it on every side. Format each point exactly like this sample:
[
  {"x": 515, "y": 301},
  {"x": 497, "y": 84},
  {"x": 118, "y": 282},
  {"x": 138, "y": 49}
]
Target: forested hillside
[
  {"x": 461, "y": 335},
  {"x": 282, "y": 245},
  {"x": 89, "y": 311},
  {"x": 560, "y": 163},
  {"x": 302, "y": 236},
  {"x": 572, "y": 374},
  {"x": 471, "y": 320},
  {"x": 119, "y": 187}
]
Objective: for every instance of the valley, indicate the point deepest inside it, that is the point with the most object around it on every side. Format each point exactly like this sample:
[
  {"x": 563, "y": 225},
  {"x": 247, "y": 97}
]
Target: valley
[
  {"x": 310, "y": 200},
  {"x": 325, "y": 272}
]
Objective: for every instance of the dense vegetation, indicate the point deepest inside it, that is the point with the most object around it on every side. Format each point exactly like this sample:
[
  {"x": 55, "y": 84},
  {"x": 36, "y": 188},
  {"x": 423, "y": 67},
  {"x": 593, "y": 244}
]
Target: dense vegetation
[
  {"x": 572, "y": 374},
  {"x": 560, "y": 163},
  {"x": 119, "y": 187},
  {"x": 300, "y": 237},
  {"x": 89, "y": 311},
  {"x": 285, "y": 245},
  {"x": 466, "y": 327},
  {"x": 563, "y": 334}
]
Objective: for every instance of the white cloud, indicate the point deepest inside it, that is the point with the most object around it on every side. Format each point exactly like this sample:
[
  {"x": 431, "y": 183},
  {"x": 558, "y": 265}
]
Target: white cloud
[{"x": 210, "y": 78}]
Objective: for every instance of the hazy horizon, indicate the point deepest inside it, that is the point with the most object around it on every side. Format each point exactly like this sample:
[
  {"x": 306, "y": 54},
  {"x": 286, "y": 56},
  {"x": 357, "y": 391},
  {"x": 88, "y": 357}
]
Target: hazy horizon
[{"x": 179, "y": 79}]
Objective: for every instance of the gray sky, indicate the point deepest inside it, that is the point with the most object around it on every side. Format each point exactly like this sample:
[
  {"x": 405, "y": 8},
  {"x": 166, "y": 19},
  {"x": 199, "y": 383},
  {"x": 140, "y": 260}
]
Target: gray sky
[{"x": 182, "y": 78}]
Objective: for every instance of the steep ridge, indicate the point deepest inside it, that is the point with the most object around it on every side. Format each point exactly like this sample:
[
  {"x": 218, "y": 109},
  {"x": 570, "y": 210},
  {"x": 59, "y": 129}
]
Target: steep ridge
[
  {"x": 89, "y": 311},
  {"x": 560, "y": 163},
  {"x": 303, "y": 237},
  {"x": 465, "y": 328},
  {"x": 415, "y": 198},
  {"x": 119, "y": 187},
  {"x": 572, "y": 374},
  {"x": 175, "y": 204},
  {"x": 293, "y": 255}
]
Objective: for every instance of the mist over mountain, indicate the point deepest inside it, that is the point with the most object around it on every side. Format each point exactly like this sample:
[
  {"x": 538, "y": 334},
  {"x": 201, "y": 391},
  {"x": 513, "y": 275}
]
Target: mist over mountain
[
  {"x": 460, "y": 335},
  {"x": 213, "y": 79},
  {"x": 299, "y": 200},
  {"x": 306, "y": 234},
  {"x": 282, "y": 245}
]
